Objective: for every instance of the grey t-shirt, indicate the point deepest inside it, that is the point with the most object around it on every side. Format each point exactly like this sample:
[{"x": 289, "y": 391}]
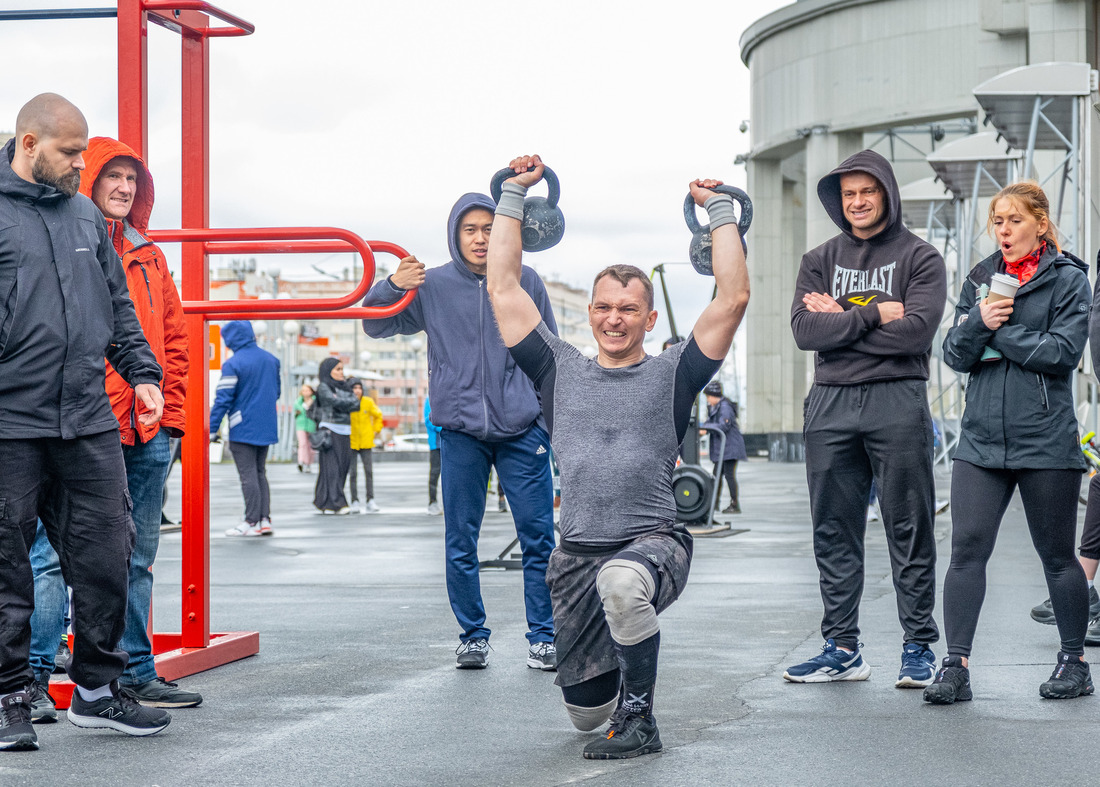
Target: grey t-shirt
[{"x": 615, "y": 433}]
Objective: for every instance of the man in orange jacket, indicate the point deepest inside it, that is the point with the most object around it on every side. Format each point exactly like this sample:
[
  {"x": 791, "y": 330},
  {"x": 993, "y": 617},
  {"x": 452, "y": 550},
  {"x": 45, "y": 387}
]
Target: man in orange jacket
[{"x": 120, "y": 185}]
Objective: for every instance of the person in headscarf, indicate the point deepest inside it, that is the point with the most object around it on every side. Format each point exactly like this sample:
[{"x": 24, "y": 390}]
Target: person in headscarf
[{"x": 335, "y": 402}]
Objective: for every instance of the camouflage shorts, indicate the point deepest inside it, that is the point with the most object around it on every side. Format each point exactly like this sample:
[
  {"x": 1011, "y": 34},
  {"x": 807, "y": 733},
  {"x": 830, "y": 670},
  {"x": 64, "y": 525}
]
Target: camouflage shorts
[{"x": 582, "y": 638}]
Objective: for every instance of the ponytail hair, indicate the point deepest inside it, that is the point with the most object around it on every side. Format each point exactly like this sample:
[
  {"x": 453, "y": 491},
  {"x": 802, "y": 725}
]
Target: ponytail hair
[{"x": 1030, "y": 198}]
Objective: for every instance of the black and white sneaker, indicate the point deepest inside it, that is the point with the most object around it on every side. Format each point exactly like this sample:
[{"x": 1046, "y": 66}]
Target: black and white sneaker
[
  {"x": 543, "y": 656},
  {"x": 118, "y": 712},
  {"x": 1071, "y": 678},
  {"x": 16, "y": 732},
  {"x": 43, "y": 708},
  {"x": 473, "y": 654}
]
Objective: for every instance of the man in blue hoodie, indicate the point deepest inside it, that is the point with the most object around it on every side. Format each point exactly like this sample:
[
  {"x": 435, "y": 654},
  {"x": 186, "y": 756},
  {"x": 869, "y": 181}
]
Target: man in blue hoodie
[
  {"x": 248, "y": 392},
  {"x": 489, "y": 414}
]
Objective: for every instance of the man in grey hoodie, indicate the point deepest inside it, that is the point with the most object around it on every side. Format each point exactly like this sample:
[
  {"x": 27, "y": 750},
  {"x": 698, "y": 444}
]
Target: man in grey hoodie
[
  {"x": 489, "y": 414},
  {"x": 868, "y": 302}
]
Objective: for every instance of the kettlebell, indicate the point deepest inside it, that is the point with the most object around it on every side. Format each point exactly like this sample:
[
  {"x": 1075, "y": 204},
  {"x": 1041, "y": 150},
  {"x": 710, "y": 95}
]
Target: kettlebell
[
  {"x": 699, "y": 250},
  {"x": 543, "y": 222}
]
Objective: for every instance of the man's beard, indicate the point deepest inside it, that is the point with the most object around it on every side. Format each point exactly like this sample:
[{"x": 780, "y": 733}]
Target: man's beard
[{"x": 68, "y": 184}]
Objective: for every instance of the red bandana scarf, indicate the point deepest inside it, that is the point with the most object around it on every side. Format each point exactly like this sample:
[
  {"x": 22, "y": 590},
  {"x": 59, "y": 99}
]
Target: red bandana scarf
[{"x": 1024, "y": 268}]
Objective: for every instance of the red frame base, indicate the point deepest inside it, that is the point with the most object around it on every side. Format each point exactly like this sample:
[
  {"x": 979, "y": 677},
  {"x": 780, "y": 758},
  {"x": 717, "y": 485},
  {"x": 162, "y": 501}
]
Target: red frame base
[{"x": 174, "y": 661}]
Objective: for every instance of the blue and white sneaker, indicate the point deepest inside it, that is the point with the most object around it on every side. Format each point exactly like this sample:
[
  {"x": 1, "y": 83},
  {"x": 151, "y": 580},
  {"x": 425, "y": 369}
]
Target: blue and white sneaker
[
  {"x": 832, "y": 664},
  {"x": 918, "y": 666}
]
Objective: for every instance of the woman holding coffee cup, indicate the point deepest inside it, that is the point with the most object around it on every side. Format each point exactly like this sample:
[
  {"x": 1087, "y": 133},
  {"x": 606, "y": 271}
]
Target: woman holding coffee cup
[{"x": 1019, "y": 429}]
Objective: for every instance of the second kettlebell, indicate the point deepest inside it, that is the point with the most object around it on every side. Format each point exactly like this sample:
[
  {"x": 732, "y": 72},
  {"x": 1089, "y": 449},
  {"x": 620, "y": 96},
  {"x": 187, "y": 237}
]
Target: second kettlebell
[
  {"x": 699, "y": 250},
  {"x": 543, "y": 222}
]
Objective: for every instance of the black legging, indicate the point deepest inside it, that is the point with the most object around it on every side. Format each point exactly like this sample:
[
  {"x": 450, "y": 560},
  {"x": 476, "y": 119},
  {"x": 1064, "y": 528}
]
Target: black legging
[
  {"x": 979, "y": 498},
  {"x": 729, "y": 472}
]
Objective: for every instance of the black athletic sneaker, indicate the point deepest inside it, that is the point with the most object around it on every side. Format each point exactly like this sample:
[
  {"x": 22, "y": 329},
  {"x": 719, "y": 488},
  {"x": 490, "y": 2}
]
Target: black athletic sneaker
[
  {"x": 1044, "y": 613},
  {"x": 16, "y": 732},
  {"x": 951, "y": 684},
  {"x": 119, "y": 712},
  {"x": 629, "y": 736},
  {"x": 43, "y": 708},
  {"x": 161, "y": 693},
  {"x": 1070, "y": 679}
]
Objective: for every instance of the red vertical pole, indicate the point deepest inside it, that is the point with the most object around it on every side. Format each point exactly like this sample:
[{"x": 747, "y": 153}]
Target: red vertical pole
[
  {"x": 195, "y": 625},
  {"x": 133, "y": 72}
]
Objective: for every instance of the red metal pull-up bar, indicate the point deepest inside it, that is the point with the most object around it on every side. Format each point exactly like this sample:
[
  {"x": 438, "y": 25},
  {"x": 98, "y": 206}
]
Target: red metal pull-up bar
[{"x": 291, "y": 240}]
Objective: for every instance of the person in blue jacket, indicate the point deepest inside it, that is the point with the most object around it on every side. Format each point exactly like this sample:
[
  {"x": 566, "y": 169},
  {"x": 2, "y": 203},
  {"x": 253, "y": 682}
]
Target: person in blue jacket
[
  {"x": 489, "y": 415},
  {"x": 722, "y": 415},
  {"x": 433, "y": 459},
  {"x": 248, "y": 392}
]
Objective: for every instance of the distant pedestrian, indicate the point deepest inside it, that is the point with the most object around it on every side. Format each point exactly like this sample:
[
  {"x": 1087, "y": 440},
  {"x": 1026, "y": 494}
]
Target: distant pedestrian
[
  {"x": 335, "y": 403},
  {"x": 366, "y": 423},
  {"x": 304, "y": 426},
  {"x": 433, "y": 431},
  {"x": 722, "y": 416},
  {"x": 248, "y": 392}
]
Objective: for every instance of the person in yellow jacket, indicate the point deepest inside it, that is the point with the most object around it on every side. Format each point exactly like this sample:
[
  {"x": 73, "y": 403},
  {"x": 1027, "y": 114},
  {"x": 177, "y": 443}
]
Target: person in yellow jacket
[{"x": 365, "y": 424}]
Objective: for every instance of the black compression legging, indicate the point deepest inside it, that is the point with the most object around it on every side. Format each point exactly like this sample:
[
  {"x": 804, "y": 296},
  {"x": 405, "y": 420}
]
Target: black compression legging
[{"x": 979, "y": 498}]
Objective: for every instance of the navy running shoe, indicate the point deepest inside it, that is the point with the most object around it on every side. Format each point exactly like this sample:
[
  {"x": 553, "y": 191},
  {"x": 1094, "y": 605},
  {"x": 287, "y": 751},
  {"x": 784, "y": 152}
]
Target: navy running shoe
[
  {"x": 918, "y": 666},
  {"x": 832, "y": 664}
]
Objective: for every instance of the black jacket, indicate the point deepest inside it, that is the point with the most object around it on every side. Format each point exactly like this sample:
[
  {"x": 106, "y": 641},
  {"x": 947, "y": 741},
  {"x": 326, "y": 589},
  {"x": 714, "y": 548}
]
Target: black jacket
[
  {"x": 64, "y": 306},
  {"x": 853, "y": 346},
  {"x": 1019, "y": 410},
  {"x": 335, "y": 405}
]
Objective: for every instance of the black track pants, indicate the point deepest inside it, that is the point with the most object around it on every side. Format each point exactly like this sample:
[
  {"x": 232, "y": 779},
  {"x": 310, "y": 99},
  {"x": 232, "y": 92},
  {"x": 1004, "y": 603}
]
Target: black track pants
[
  {"x": 979, "y": 498},
  {"x": 855, "y": 433}
]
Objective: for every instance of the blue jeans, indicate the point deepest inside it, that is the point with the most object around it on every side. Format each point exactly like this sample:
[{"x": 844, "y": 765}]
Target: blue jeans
[
  {"x": 525, "y": 474},
  {"x": 51, "y": 603},
  {"x": 146, "y": 470}
]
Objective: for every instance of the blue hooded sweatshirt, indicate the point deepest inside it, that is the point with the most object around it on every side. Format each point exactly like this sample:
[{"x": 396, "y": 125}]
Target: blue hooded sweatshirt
[
  {"x": 474, "y": 385},
  {"x": 248, "y": 389}
]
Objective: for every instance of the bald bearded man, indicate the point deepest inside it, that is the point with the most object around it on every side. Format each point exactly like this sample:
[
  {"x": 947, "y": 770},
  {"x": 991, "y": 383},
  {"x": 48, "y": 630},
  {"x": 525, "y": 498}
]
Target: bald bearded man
[{"x": 64, "y": 307}]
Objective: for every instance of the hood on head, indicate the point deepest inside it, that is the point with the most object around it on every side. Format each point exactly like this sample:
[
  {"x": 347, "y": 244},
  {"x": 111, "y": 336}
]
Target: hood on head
[
  {"x": 99, "y": 154},
  {"x": 465, "y": 203},
  {"x": 875, "y": 165},
  {"x": 238, "y": 334}
]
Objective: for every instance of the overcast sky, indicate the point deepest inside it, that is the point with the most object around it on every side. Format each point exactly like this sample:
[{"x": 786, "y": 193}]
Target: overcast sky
[{"x": 376, "y": 116}]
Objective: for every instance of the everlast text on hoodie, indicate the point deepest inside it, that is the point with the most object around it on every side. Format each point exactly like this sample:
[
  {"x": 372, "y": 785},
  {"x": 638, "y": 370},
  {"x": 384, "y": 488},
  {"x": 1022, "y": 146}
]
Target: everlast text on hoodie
[{"x": 853, "y": 346}]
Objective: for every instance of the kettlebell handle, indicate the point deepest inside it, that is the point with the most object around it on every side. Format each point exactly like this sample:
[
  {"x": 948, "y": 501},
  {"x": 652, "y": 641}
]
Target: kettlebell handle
[
  {"x": 496, "y": 187},
  {"x": 740, "y": 197}
]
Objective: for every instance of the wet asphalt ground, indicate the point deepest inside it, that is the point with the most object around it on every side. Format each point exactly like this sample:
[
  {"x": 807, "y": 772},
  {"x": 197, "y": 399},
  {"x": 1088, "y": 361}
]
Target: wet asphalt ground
[{"x": 355, "y": 680}]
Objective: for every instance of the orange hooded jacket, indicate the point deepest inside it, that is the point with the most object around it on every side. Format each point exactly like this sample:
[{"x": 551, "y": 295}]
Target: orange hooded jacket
[{"x": 154, "y": 294}]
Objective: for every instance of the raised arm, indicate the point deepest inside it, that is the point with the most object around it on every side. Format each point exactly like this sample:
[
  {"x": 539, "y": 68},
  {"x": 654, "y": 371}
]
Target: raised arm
[
  {"x": 715, "y": 327},
  {"x": 516, "y": 313}
]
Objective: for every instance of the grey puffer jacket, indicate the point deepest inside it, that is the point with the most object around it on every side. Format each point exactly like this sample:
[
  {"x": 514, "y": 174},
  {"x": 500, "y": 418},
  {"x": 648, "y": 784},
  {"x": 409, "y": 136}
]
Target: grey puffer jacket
[{"x": 1019, "y": 410}]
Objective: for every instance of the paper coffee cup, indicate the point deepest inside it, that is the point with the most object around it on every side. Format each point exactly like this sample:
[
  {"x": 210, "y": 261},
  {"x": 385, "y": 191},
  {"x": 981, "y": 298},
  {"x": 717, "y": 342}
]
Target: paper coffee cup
[{"x": 1002, "y": 286}]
